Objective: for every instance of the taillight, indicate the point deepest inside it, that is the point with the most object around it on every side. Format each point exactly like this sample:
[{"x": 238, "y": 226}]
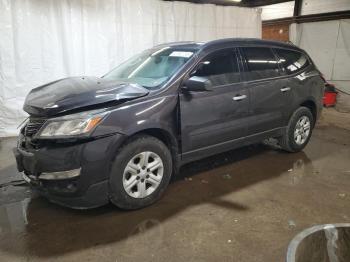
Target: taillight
[
  {"x": 323, "y": 78},
  {"x": 326, "y": 83}
]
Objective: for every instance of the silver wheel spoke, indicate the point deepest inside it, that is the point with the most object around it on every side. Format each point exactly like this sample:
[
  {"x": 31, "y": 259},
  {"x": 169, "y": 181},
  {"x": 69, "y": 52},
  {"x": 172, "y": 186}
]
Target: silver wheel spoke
[
  {"x": 153, "y": 179},
  {"x": 304, "y": 135},
  {"x": 144, "y": 158},
  {"x": 296, "y": 134},
  {"x": 154, "y": 165},
  {"x": 141, "y": 188},
  {"x": 299, "y": 139},
  {"x": 131, "y": 183},
  {"x": 132, "y": 168}
]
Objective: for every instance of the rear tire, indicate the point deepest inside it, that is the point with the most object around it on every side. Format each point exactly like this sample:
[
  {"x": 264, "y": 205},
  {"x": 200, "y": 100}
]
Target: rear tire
[
  {"x": 140, "y": 173},
  {"x": 298, "y": 131}
]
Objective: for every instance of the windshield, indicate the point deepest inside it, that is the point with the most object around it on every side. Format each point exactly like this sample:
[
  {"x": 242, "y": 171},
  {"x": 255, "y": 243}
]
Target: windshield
[{"x": 151, "y": 69}]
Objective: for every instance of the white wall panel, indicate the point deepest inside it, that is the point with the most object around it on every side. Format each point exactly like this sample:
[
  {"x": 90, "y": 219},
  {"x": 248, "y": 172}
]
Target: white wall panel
[
  {"x": 328, "y": 44},
  {"x": 308, "y": 7},
  {"x": 342, "y": 52},
  {"x": 320, "y": 40},
  {"x": 276, "y": 11},
  {"x": 324, "y": 6},
  {"x": 41, "y": 41}
]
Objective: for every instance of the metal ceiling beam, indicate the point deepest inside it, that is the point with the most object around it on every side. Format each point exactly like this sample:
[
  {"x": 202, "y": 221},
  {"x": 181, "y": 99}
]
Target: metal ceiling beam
[
  {"x": 244, "y": 3},
  {"x": 256, "y": 3},
  {"x": 310, "y": 18},
  {"x": 297, "y": 7}
]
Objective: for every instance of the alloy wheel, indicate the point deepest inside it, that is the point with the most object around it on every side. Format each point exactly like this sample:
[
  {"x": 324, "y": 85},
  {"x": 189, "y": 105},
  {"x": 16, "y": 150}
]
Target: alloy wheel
[
  {"x": 302, "y": 130},
  {"x": 143, "y": 174}
]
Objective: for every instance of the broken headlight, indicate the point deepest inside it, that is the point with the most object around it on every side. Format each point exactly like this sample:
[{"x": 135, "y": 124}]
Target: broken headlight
[{"x": 72, "y": 125}]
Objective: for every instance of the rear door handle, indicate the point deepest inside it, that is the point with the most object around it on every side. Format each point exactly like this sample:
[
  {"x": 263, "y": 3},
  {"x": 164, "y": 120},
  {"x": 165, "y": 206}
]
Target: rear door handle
[
  {"x": 239, "y": 97},
  {"x": 285, "y": 89}
]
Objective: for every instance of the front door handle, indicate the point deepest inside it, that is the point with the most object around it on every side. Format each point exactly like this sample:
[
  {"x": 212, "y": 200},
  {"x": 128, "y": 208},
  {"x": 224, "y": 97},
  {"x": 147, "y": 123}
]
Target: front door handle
[
  {"x": 285, "y": 89},
  {"x": 239, "y": 97}
]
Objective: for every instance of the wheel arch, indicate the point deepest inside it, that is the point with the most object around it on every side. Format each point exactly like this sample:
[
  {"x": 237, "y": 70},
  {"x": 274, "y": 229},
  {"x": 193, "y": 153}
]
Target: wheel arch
[
  {"x": 166, "y": 137},
  {"x": 310, "y": 104}
]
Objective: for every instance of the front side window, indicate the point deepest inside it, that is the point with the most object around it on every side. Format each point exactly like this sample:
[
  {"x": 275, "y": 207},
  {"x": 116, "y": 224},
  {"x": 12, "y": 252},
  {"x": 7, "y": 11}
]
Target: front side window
[
  {"x": 292, "y": 61},
  {"x": 261, "y": 63},
  {"x": 151, "y": 68},
  {"x": 220, "y": 67}
]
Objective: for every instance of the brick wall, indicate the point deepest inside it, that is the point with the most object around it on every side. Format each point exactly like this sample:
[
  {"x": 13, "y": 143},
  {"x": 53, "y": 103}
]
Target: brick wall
[{"x": 279, "y": 32}]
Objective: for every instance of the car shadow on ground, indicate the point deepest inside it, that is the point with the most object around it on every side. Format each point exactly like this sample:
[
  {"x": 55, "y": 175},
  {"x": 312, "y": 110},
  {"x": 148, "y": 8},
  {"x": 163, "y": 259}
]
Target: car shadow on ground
[{"x": 47, "y": 230}]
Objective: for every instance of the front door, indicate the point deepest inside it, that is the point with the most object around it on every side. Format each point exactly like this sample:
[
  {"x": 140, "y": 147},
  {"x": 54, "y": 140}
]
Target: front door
[{"x": 213, "y": 118}]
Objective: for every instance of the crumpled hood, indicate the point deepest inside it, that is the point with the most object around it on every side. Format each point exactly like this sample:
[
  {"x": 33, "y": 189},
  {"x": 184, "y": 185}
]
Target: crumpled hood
[{"x": 77, "y": 92}]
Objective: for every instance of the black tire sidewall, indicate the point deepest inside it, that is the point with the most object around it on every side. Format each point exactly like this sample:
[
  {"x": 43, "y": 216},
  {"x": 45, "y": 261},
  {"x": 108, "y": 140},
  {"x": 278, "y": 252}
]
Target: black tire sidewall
[
  {"x": 302, "y": 111},
  {"x": 117, "y": 193}
]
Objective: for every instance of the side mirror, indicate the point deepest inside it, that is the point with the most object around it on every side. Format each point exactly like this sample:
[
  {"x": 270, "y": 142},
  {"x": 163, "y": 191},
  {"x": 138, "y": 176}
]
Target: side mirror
[{"x": 197, "y": 84}]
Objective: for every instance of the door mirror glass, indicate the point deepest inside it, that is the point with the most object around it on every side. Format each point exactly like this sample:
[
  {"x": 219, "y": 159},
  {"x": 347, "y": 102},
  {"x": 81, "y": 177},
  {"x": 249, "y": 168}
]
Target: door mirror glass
[{"x": 197, "y": 83}]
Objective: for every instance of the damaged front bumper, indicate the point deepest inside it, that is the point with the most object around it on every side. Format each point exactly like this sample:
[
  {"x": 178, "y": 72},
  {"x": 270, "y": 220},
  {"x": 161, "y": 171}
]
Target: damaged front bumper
[{"x": 70, "y": 173}]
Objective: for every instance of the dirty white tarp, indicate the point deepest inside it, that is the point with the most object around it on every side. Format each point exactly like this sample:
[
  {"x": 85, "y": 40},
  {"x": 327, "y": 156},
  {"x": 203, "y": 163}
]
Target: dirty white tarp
[
  {"x": 328, "y": 44},
  {"x": 41, "y": 41}
]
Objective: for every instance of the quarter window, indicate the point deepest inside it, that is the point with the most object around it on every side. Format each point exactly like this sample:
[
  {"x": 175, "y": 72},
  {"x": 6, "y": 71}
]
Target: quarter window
[
  {"x": 220, "y": 67},
  {"x": 261, "y": 63},
  {"x": 292, "y": 61}
]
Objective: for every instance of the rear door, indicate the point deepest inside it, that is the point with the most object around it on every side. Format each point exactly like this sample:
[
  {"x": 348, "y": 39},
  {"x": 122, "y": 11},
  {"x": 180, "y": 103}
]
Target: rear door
[
  {"x": 269, "y": 94},
  {"x": 212, "y": 118},
  {"x": 297, "y": 78}
]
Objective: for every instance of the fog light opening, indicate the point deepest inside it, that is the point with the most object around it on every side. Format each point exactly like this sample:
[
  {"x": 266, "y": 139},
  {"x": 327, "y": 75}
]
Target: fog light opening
[{"x": 60, "y": 175}]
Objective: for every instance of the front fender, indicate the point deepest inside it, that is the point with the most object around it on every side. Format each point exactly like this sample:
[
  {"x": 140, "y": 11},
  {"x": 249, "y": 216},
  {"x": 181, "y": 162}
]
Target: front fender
[{"x": 135, "y": 116}]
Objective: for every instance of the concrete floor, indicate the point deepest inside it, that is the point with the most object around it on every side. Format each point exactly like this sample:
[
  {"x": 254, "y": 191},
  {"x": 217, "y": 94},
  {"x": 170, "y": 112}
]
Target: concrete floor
[{"x": 245, "y": 205}]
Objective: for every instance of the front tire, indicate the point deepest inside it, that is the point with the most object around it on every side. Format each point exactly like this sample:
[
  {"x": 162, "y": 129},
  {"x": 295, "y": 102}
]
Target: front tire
[
  {"x": 140, "y": 173},
  {"x": 298, "y": 131}
]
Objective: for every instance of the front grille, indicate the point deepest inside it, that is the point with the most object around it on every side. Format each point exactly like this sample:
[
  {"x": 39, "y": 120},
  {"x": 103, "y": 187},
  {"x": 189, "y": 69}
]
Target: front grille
[{"x": 33, "y": 126}]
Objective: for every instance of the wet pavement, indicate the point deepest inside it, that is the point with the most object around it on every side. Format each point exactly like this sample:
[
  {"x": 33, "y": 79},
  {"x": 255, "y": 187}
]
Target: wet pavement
[{"x": 244, "y": 205}]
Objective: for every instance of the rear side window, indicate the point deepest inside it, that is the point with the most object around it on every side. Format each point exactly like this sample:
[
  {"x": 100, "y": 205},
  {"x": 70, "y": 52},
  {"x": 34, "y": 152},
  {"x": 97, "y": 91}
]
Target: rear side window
[
  {"x": 292, "y": 61},
  {"x": 220, "y": 67},
  {"x": 261, "y": 63}
]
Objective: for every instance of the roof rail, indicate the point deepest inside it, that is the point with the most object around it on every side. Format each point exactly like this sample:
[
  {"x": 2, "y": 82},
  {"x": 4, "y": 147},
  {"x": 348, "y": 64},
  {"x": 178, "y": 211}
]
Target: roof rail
[{"x": 290, "y": 42}]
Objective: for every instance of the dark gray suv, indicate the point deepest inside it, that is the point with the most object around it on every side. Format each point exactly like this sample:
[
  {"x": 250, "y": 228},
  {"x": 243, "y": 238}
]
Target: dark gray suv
[{"x": 120, "y": 137}]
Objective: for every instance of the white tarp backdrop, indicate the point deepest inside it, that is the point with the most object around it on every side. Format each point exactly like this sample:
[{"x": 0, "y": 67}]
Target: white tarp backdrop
[
  {"x": 328, "y": 44},
  {"x": 41, "y": 41}
]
